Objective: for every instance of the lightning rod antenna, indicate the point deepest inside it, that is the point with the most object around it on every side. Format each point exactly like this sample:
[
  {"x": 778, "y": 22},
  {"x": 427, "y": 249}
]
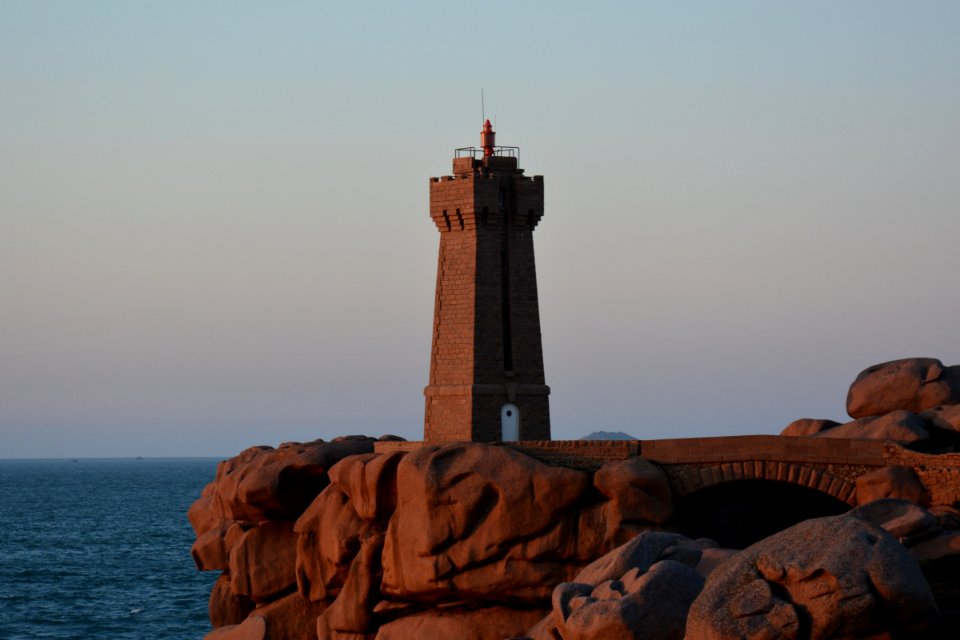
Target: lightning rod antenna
[{"x": 483, "y": 110}]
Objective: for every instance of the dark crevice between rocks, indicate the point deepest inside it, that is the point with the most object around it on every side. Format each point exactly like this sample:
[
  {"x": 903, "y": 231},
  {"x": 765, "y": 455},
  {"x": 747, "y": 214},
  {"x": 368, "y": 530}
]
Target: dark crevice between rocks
[
  {"x": 804, "y": 620},
  {"x": 739, "y": 513},
  {"x": 943, "y": 576},
  {"x": 297, "y": 487},
  {"x": 941, "y": 441},
  {"x": 882, "y": 618},
  {"x": 485, "y": 502}
]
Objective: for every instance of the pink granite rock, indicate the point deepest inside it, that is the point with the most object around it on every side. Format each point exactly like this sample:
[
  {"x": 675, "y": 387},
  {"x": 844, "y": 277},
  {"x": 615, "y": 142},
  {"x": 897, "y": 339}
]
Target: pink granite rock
[
  {"x": 904, "y": 519},
  {"x": 227, "y": 608},
  {"x": 253, "y": 628},
  {"x": 898, "y": 426},
  {"x": 265, "y": 483},
  {"x": 943, "y": 417},
  {"x": 371, "y": 482},
  {"x": 948, "y": 518},
  {"x": 352, "y": 611},
  {"x": 945, "y": 545},
  {"x": 862, "y": 584},
  {"x": 490, "y": 623},
  {"x": 205, "y": 513},
  {"x": 889, "y": 482},
  {"x": 330, "y": 534},
  {"x": 639, "y": 553},
  {"x": 622, "y": 598},
  {"x": 292, "y": 617},
  {"x": 912, "y": 384},
  {"x": 210, "y": 551},
  {"x": 808, "y": 427},
  {"x": 479, "y": 521},
  {"x": 712, "y": 558},
  {"x": 648, "y": 605},
  {"x": 263, "y": 562},
  {"x": 638, "y": 492}
]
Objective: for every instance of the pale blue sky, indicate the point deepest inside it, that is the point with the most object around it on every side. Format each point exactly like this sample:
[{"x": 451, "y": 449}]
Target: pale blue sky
[{"x": 214, "y": 228}]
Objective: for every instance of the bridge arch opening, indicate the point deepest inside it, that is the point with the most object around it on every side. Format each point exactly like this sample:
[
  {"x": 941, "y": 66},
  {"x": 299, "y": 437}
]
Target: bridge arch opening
[{"x": 739, "y": 513}]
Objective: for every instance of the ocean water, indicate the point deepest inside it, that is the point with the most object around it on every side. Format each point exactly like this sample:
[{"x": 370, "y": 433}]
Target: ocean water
[{"x": 101, "y": 549}]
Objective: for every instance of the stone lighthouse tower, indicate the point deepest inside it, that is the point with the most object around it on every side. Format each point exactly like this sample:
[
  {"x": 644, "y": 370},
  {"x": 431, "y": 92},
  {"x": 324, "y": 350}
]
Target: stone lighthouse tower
[{"x": 486, "y": 366}]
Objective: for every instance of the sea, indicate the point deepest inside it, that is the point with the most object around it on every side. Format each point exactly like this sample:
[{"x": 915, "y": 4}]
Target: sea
[{"x": 97, "y": 549}]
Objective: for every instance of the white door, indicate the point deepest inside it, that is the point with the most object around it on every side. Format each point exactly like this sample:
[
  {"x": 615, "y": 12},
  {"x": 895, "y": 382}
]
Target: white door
[{"x": 510, "y": 422}]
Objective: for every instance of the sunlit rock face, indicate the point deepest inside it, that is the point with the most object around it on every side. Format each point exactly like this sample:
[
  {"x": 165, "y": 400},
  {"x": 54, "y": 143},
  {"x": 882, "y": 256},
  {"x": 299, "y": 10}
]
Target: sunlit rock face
[
  {"x": 911, "y": 384},
  {"x": 332, "y": 540},
  {"x": 913, "y": 402},
  {"x": 482, "y": 542},
  {"x": 401, "y": 543}
]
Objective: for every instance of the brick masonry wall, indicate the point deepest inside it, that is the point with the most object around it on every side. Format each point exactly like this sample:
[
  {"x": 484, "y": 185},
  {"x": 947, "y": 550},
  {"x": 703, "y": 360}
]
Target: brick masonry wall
[
  {"x": 446, "y": 413},
  {"x": 524, "y": 303},
  {"x": 454, "y": 301}
]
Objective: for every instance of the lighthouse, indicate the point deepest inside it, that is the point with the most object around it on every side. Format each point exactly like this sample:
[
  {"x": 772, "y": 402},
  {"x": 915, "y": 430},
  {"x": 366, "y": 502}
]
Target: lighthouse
[{"x": 486, "y": 365}]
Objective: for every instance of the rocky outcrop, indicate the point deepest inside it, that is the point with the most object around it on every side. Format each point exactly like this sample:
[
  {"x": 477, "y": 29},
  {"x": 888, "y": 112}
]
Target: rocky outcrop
[
  {"x": 330, "y": 540},
  {"x": 489, "y": 623},
  {"x": 650, "y": 605},
  {"x": 245, "y": 526},
  {"x": 864, "y": 583},
  {"x": 642, "y": 589},
  {"x": 476, "y": 522},
  {"x": 330, "y": 534},
  {"x": 914, "y": 402},
  {"x": 944, "y": 418},
  {"x": 637, "y": 493},
  {"x": 808, "y": 427},
  {"x": 432, "y": 542},
  {"x": 898, "y": 426},
  {"x": 912, "y": 384},
  {"x": 890, "y": 482},
  {"x": 408, "y": 543},
  {"x": 227, "y": 608},
  {"x": 901, "y": 518},
  {"x": 265, "y": 483}
]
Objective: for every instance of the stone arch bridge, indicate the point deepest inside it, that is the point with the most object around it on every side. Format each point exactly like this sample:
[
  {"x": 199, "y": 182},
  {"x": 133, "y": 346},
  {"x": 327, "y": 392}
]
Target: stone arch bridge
[{"x": 827, "y": 465}]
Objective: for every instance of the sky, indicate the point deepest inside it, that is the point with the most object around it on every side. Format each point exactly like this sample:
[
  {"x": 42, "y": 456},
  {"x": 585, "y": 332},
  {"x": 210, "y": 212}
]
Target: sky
[{"x": 214, "y": 227}]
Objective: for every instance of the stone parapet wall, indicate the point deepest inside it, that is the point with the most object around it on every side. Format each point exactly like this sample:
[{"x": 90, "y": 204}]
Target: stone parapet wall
[
  {"x": 864, "y": 453},
  {"x": 389, "y": 446},
  {"x": 586, "y": 455},
  {"x": 776, "y": 448}
]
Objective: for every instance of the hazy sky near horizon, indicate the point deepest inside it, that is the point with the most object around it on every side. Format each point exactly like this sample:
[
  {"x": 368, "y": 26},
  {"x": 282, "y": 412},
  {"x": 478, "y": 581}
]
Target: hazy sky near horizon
[{"x": 214, "y": 228}]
